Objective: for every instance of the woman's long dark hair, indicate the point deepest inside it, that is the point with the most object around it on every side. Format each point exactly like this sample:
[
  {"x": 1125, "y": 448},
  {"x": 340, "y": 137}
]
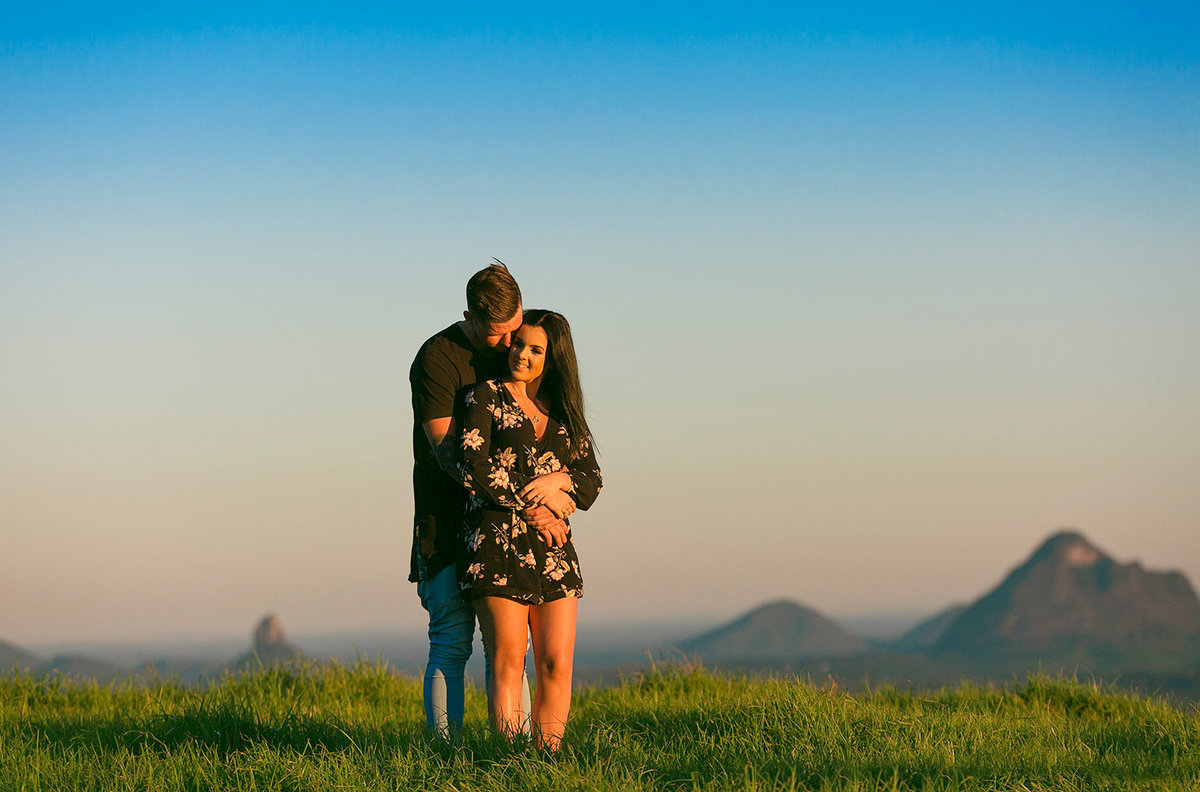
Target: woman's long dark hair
[{"x": 560, "y": 388}]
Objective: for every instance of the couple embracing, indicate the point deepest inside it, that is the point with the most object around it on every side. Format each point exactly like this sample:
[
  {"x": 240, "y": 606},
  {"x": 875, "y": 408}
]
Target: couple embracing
[{"x": 503, "y": 456}]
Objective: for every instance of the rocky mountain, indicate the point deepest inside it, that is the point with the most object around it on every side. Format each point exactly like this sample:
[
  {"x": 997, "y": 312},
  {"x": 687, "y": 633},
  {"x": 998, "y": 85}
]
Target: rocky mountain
[
  {"x": 778, "y": 631},
  {"x": 1070, "y": 601},
  {"x": 269, "y": 647},
  {"x": 926, "y": 634}
]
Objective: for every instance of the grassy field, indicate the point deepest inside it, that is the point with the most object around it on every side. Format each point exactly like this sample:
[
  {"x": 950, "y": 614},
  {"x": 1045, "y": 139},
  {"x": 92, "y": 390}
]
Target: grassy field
[{"x": 335, "y": 728}]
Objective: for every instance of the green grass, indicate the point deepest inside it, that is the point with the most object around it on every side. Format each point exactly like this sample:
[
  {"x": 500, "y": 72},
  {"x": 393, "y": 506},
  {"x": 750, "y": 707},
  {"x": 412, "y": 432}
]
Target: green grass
[{"x": 335, "y": 728}]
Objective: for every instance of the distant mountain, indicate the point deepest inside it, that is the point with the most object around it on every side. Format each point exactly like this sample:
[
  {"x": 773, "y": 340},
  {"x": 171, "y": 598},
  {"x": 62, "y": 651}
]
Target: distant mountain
[
  {"x": 926, "y": 634},
  {"x": 269, "y": 648},
  {"x": 76, "y": 666},
  {"x": 15, "y": 657},
  {"x": 83, "y": 668},
  {"x": 778, "y": 631},
  {"x": 1071, "y": 601},
  {"x": 186, "y": 670}
]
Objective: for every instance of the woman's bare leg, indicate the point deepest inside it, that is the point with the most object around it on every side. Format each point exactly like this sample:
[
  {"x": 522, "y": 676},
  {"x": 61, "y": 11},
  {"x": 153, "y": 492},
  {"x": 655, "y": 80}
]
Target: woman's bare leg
[
  {"x": 505, "y": 628},
  {"x": 553, "y": 628}
]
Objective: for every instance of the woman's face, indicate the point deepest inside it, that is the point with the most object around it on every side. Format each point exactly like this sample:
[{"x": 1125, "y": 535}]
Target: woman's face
[{"x": 527, "y": 355}]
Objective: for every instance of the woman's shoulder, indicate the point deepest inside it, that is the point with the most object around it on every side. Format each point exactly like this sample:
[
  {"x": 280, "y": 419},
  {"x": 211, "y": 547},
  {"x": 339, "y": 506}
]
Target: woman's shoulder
[{"x": 484, "y": 392}]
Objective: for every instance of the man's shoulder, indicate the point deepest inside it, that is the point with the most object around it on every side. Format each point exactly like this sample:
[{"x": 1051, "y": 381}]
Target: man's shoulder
[
  {"x": 449, "y": 345},
  {"x": 448, "y": 340}
]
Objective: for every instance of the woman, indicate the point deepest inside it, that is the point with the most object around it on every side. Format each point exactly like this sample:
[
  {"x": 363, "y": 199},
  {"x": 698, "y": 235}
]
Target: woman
[{"x": 525, "y": 443}]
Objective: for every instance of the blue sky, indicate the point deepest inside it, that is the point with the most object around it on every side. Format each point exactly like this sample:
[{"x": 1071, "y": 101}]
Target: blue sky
[{"x": 869, "y": 298}]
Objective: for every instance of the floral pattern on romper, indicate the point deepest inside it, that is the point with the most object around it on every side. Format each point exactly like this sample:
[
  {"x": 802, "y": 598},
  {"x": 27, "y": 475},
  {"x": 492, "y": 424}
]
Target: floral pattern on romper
[{"x": 501, "y": 453}]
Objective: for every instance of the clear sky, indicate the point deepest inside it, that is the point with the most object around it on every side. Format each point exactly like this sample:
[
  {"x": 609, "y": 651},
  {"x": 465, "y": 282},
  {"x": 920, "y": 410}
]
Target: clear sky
[{"x": 869, "y": 298}]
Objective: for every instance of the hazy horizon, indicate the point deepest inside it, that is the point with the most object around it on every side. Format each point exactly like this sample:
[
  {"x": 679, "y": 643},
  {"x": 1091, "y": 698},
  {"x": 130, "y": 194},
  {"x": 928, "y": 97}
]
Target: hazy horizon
[
  {"x": 410, "y": 645},
  {"x": 868, "y": 299}
]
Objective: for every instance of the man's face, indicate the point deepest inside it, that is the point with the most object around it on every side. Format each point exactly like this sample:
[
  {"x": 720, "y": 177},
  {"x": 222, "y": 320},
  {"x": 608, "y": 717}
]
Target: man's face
[{"x": 493, "y": 335}]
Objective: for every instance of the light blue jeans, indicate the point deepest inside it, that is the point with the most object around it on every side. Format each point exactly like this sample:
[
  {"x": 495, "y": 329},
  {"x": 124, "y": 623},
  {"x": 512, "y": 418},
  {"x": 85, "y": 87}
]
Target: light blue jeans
[{"x": 451, "y": 632}]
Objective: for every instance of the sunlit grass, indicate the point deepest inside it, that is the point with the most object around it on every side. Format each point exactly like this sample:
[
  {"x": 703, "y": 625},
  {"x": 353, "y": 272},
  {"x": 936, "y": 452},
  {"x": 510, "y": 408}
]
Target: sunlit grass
[{"x": 337, "y": 728}]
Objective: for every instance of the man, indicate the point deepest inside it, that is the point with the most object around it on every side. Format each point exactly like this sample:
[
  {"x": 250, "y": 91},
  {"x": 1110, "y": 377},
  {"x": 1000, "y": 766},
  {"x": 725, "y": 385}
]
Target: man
[{"x": 455, "y": 359}]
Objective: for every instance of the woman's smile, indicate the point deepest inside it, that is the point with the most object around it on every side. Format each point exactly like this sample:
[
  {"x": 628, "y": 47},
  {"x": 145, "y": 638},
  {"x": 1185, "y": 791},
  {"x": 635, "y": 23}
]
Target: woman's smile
[{"x": 527, "y": 355}]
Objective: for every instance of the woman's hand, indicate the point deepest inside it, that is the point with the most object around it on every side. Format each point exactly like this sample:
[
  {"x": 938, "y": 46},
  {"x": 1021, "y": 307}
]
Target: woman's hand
[
  {"x": 540, "y": 489},
  {"x": 560, "y": 504}
]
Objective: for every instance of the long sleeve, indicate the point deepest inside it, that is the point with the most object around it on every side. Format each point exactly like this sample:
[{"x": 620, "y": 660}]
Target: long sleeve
[
  {"x": 585, "y": 477},
  {"x": 488, "y": 472}
]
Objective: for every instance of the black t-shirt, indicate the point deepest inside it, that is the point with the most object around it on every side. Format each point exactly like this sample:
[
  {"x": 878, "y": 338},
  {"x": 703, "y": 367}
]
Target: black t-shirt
[{"x": 445, "y": 367}]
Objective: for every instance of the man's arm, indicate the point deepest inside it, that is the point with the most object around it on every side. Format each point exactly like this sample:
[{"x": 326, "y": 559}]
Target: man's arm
[{"x": 440, "y": 434}]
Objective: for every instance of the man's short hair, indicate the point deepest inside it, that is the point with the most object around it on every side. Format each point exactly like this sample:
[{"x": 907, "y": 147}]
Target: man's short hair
[{"x": 493, "y": 294}]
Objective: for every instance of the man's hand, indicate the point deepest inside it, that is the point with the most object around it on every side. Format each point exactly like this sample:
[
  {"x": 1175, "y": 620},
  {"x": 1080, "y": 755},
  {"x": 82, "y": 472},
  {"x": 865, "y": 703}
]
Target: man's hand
[
  {"x": 542, "y": 520},
  {"x": 560, "y": 505}
]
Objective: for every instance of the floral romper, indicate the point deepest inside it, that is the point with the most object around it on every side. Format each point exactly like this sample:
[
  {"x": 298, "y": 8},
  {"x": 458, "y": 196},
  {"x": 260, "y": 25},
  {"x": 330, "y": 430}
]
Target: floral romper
[{"x": 503, "y": 557}]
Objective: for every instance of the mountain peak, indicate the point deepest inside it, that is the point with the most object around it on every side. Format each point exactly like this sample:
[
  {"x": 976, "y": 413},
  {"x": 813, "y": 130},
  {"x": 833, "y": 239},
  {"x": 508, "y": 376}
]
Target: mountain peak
[
  {"x": 269, "y": 647},
  {"x": 1071, "y": 547},
  {"x": 780, "y": 630},
  {"x": 268, "y": 634},
  {"x": 781, "y": 607},
  {"x": 1071, "y": 600}
]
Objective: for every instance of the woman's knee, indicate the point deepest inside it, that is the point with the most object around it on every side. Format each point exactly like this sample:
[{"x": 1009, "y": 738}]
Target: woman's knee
[
  {"x": 508, "y": 658},
  {"x": 555, "y": 667}
]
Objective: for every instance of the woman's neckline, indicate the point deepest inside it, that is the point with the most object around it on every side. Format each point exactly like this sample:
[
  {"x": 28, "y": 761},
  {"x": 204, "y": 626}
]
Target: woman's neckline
[{"x": 537, "y": 422}]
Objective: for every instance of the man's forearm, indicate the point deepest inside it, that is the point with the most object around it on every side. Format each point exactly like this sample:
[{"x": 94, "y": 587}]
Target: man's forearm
[
  {"x": 442, "y": 441},
  {"x": 448, "y": 457}
]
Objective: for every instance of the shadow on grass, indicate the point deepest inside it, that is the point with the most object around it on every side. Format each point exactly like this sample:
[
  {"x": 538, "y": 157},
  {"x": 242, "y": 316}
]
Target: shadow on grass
[
  {"x": 223, "y": 731},
  {"x": 228, "y": 730}
]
